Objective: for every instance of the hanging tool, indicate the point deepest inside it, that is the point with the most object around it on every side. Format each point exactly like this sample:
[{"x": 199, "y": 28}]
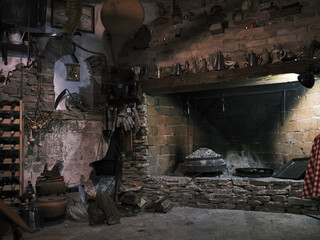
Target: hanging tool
[{"x": 73, "y": 98}]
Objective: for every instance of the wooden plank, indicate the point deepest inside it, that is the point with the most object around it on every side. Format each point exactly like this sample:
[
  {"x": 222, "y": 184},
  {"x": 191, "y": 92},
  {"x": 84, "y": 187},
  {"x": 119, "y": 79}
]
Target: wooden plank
[
  {"x": 10, "y": 188},
  {"x": 6, "y": 121},
  {"x": 7, "y": 161},
  {"x": 6, "y": 108},
  {"x": 8, "y": 134},
  {"x": 230, "y": 78},
  {"x": 5, "y": 174}
]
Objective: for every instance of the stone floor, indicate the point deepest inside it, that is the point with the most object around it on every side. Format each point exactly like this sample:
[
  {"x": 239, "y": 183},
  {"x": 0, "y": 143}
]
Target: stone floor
[{"x": 184, "y": 223}]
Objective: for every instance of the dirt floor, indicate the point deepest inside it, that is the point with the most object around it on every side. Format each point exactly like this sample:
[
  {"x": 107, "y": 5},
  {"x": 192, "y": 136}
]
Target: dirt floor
[{"x": 184, "y": 223}]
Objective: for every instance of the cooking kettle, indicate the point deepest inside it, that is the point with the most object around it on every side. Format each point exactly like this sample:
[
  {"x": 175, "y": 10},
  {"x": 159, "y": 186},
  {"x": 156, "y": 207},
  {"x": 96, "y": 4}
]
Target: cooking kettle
[
  {"x": 16, "y": 36},
  {"x": 253, "y": 59}
]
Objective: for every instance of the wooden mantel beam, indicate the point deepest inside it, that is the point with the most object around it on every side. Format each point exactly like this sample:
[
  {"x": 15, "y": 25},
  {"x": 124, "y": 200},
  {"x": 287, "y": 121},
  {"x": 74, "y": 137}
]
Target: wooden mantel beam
[{"x": 230, "y": 78}]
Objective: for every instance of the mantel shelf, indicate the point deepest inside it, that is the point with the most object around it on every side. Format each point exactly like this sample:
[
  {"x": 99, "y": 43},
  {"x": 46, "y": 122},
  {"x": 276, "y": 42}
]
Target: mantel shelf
[
  {"x": 15, "y": 47},
  {"x": 229, "y": 78}
]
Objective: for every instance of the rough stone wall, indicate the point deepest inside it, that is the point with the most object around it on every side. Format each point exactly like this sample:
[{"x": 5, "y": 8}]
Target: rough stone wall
[
  {"x": 266, "y": 194},
  {"x": 75, "y": 139},
  {"x": 74, "y": 143},
  {"x": 137, "y": 166}
]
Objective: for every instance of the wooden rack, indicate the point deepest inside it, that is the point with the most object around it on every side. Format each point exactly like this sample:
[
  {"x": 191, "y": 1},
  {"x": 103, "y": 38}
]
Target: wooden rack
[{"x": 11, "y": 151}]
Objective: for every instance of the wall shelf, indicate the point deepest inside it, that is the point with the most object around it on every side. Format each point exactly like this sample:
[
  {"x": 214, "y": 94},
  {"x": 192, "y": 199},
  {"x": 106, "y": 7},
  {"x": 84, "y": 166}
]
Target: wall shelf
[{"x": 15, "y": 47}]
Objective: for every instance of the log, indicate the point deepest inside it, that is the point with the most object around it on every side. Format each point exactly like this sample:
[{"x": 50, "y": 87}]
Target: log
[
  {"x": 162, "y": 205},
  {"x": 108, "y": 207},
  {"x": 131, "y": 198},
  {"x": 96, "y": 216}
]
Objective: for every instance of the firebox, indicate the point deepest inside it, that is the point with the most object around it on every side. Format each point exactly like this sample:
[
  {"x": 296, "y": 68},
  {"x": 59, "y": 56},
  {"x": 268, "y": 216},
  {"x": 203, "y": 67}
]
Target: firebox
[{"x": 260, "y": 127}]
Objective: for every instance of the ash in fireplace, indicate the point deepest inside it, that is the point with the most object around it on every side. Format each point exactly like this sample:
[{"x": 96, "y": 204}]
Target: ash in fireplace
[{"x": 239, "y": 160}]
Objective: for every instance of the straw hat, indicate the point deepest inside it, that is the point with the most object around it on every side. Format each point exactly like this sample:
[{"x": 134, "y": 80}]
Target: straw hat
[{"x": 122, "y": 17}]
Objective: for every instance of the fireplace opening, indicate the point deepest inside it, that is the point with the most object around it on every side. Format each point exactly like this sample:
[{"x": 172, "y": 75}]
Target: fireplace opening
[{"x": 250, "y": 127}]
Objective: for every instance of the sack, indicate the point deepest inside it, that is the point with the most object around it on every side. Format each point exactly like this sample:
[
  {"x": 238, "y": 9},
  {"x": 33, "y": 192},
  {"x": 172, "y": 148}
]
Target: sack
[
  {"x": 77, "y": 209},
  {"x": 96, "y": 216}
]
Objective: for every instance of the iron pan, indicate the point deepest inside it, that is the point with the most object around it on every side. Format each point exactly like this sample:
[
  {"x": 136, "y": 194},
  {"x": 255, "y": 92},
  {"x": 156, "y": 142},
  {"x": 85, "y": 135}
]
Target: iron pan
[
  {"x": 254, "y": 172},
  {"x": 295, "y": 169}
]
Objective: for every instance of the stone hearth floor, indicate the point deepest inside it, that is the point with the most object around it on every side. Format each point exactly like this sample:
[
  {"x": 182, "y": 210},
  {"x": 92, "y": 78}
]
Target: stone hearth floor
[{"x": 184, "y": 223}]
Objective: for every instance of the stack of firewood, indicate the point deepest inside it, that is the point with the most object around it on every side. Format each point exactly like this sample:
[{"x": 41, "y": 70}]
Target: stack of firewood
[
  {"x": 162, "y": 205},
  {"x": 131, "y": 202}
]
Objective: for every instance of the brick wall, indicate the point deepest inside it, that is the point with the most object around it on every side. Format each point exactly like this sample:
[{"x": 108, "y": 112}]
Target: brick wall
[
  {"x": 170, "y": 132},
  {"x": 195, "y": 41}
]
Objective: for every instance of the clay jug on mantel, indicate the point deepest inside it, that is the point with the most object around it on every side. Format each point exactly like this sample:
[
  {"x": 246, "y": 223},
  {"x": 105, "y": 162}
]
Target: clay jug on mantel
[
  {"x": 122, "y": 17},
  {"x": 277, "y": 54}
]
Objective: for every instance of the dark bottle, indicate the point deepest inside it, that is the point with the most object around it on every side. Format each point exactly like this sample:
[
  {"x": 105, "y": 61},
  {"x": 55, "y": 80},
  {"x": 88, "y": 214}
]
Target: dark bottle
[
  {"x": 2, "y": 143},
  {"x": 15, "y": 181},
  {"x": 24, "y": 213},
  {"x": 34, "y": 220},
  {"x": 32, "y": 215},
  {"x": 30, "y": 189},
  {"x": 14, "y": 104},
  {"x": 5, "y": 181},
  {"x": 13, "y": 167},
  {"x": 12, "y": 143},
  {"x": 12, "y": 119}
]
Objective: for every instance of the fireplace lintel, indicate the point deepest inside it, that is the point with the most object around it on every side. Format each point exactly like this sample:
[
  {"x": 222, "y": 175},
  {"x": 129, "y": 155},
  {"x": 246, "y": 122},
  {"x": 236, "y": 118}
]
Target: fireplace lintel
[{"x": 230, "y": 78}]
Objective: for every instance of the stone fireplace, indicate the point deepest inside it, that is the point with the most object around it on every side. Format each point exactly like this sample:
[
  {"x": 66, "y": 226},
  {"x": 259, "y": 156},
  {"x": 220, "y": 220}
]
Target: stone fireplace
[
  {"x": 270, "y": 126},
  {"x": 250, "y": 122}
]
